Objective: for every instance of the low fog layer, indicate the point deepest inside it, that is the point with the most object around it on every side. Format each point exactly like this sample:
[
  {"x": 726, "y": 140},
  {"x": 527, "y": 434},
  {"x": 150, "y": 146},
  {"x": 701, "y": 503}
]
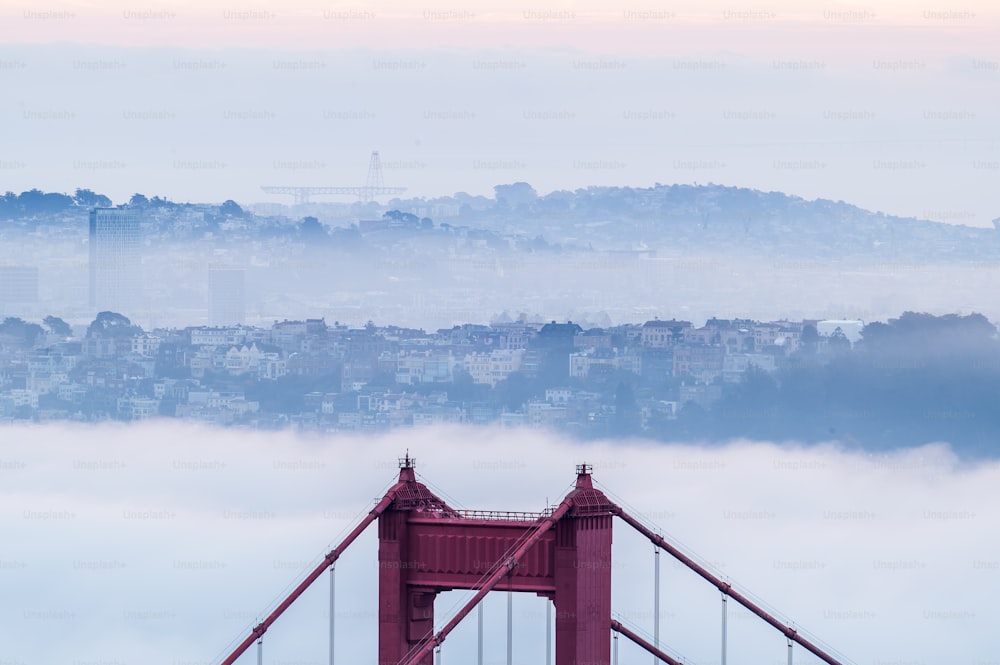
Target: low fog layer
[
  {"x": 430, "y": 284},
  {"x": 161, "y": 543}
]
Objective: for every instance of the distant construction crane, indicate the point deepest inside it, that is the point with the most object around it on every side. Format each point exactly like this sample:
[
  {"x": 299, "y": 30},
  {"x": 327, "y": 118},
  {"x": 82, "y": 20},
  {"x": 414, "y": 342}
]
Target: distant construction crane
[{"x": 374, "y": 186}]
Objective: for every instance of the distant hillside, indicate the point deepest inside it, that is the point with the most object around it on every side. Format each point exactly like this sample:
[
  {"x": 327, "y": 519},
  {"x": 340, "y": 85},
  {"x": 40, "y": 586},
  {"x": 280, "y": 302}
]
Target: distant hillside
[
  {"x": 706, "y": 217},
  {"x": 670, "y": 218}
]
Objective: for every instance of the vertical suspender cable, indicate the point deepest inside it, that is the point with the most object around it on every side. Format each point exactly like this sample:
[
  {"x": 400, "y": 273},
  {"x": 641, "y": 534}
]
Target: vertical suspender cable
[
  {"x": 479, "y": 613},
  {"x": 548, "y": 632},
  {"x": 724, "y": 617},
  {"x": 333, "y": 589},
  {"x": 656, "y": 602},
  {"x": 510, "y": 626}
]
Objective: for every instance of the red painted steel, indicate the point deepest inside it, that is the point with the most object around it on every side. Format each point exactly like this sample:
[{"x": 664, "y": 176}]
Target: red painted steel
[
  {"x": 618, "y": 627},
  {"x": 421, "y": 652},
  {"x": 426, "y": 547},
  {"x": 459, "y": 554},
  {"x": 725, "y": 588}
]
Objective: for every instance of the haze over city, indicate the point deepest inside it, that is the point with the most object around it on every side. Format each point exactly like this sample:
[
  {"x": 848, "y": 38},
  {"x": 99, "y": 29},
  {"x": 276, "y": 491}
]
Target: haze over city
[{"x": 741, "y": 260}]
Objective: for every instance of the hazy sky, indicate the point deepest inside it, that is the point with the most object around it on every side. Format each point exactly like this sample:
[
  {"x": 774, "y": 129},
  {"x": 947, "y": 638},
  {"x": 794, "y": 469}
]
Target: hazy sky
[
  {"x": 160, "y": 543},
  {"x": 893, "y": 106}
]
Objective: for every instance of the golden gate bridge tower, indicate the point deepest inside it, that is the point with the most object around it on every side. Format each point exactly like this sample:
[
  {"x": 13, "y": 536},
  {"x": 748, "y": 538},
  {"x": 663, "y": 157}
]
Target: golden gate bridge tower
[{"x": 562, "y": 553}]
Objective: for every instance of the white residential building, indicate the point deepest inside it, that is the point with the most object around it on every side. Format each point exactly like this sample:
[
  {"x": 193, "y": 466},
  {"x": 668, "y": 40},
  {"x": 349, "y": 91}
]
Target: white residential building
[
  {"x": 218, "y": 336},
  {"x": 146, "y": 345},
  {"x": 495, "y": 366}
]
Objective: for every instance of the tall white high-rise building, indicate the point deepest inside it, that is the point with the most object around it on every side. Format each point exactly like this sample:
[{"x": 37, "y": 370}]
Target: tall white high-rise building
[
  {"x": 115, "y": 263},
  {"x": 226, "y": 296}
]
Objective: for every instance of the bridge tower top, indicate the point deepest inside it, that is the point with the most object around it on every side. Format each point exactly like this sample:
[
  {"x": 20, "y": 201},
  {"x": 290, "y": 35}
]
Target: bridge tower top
[
  {"x": 583, "y": 479},
  {"x": 407, "y": 465}
]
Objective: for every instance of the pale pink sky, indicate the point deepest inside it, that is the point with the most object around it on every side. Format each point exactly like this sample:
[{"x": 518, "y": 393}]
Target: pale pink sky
[{"x": 829, "y": 29}]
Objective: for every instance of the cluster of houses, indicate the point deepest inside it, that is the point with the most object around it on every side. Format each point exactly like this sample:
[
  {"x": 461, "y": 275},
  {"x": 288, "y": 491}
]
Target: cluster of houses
[{"x": 333, "y": 377}]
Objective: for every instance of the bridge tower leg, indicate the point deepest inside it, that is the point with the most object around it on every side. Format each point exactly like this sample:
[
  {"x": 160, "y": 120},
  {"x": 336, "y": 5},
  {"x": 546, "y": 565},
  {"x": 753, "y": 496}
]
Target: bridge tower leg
[
  {"x": 583, "y": 589},
  {"x": 405, "y": 613}
]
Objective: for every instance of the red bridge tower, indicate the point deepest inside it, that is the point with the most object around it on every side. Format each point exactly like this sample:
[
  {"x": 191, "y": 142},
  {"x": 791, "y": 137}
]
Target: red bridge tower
[
  {"x": 426, "y": 547},
  {"x": 562, "y": 553}
]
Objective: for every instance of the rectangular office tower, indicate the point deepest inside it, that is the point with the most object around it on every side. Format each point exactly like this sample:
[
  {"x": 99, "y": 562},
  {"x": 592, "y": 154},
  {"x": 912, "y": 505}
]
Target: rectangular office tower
[
  {"x": 115, "y": 263},
  {"x": 226, "y": 296}
]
